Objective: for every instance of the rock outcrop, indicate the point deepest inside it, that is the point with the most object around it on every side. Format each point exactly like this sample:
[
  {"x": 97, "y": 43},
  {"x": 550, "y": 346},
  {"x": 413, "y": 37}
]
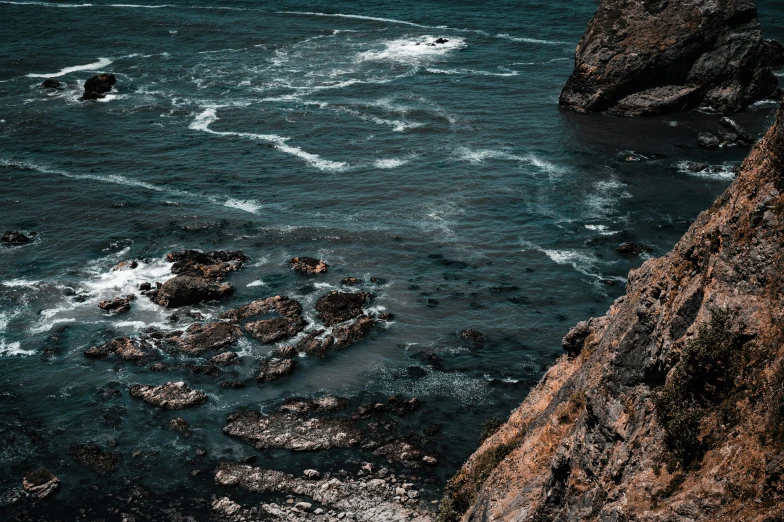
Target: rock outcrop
[
  {"x": 185, "y": 290},
  {"x": 200, "y": 338},
  {"x": 169, "y": 396},
  {"x": 288, "y": 324},
  {"x": 40, "y": 483},
  {"x": 308, "y": 265},
  {"x": 656, "y": 56},
  {"x": 97, "y": 86},
  {"x": 671, "y": 407},
  {"x": 336, "y": 307},
  {"x": 16, "y": 238}
]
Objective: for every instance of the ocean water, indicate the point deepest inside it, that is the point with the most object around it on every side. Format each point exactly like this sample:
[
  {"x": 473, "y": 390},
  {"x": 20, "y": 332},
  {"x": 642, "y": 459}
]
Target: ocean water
[{"x": 327, "y": 129}]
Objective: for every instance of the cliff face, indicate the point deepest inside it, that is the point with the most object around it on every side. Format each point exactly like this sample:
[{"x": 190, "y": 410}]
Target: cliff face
[
  {"x": 670, "y": 407},
  {"x": 641, "y": 57}
]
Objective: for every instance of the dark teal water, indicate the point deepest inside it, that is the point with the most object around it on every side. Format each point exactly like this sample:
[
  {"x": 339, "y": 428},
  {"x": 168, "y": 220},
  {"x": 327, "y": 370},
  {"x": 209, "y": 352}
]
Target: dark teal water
[{"x": 289, "y": 128}]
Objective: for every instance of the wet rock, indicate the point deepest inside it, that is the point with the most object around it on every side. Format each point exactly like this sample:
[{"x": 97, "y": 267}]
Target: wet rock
[
  {"x": 319, "y": 405},
  {"x": 126, "y": 265},
  {"x": 697, "y": 167},
  {"x": 311, "y": 474},
  {"x": 286, "y": 352},
  {"x": 169, "y": 396},
  {"x": 118, "y": 305},
  {"x": 266, "y": 331},
  {"x": 472, "y": 335},
  {"x": 348, "y": 499},
  {"x": 97, "y": 86},
  {"x": 179, "y": 424},
  {"x": 660, "y": 56},
  {"x": 233, "y": 385},
  {"x": 708, "y": 140},
  {"x": 351, "y": 281},
  {"x": 185, "y": 290},
  {"x": 126, "y": 348},
  {"x": 348, "y": 334},
  {"x": 308, "y": 265},
  {"x": 633, "y": 249},
  {"x": 93, "y": 457},
  {"x": 386, "y": 316},
  {"x": 226, "y": 507},
  {"x": 272, "y": 370},
  {"x": 291, "y": 431},
  {"x": 212, "y": 266},
  {"x": 200, "y": 338},
  {"x": 732, "y": 133},
  {"x": 16, "y": 238},
  {"x": 159, "y": 367},
  {"x": 441, "y": 40},
  {"x": 50, "y": 83},
  {"x": 336, "y": 307},
  {"x": 40, "y": 483},
  {"x": 225, "y": 359}
]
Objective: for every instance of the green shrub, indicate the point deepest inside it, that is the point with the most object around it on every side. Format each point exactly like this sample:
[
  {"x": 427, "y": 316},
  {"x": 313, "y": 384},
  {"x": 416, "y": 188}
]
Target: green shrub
[{"x": 701, "y": 383}]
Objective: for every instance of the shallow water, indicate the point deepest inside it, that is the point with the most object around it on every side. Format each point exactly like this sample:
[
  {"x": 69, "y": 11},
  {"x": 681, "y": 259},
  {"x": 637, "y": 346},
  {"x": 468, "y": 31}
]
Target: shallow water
[{"x": 324, "y": 129}]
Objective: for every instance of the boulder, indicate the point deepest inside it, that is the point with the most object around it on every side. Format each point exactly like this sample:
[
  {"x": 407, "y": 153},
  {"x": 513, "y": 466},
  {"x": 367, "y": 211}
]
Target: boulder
[
  {"x": 351, "y": 281},
  {"x": 200, "y": 338},
  {"x": 225, "y": 359},
  {"x": 661, "y": 56},
  {"x": 169, "y": 396},
  {"x": 95, "y": 458},
  {"x": 16, "y": 238},
  {"x": 40, "y": 483},
  {"x": 97, "y": 86},
  {"x": 126, "y": 265},
  {"x": 126, "y": 348},
  {"x": 348, "y": 334},
  {"x": 118, "y": 305},
  {"x": 50, "y": 83},
  {"x": 186, "y": 290},
  {"x": 272, "y": 370},
  {"x": 308, "y": 265},
  {"x": 729, "y": 130},
  {"x": 708, "y": 140},
  {"x": 268, "y": 331},
  {"x": 212, "y": 266},
  {"x": 337, "y": 307}
]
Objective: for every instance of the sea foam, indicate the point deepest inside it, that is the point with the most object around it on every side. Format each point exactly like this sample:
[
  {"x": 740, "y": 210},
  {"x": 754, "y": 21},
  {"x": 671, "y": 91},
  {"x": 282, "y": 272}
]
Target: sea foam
[{"x": 102, "y": 62}]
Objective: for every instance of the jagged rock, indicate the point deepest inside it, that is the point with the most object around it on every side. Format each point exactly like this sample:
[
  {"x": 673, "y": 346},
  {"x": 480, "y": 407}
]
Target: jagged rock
[
  {"x": 320, "y": 405},
  {"x": 708, "y": 140},
  {"x": 311, "y": 474},
  {"x": 348, "y": 334},
  {"x": 308, "y": 265},
  {"x": 670, "y": 406},
  {"x": 336, "y": 307},
  {"x": 93, "y": 457},
  {"x": 126, "y": 265},
  {"x": 126, "y": 348},
  {"x": 212, "y": 266},
  {"x": 349, "y": 499},
  {"x": 633, "y": 249},
  {"x": 50, "y": 83},
  {"x": 185, "y": 290},
  {"x": 200, "y": 338},
  {"x": 351, "y": 281},
  {"x": 179, "y": 424},
  {"x": 169, "y": 396},
  {"x": 225, "y": 506},
  {"x": 272, "y": 370},
  {"x": 266, "y": 331},
  {"x": 225, "y": 359},
  {"x": 118, "y": 305},
  {"x": 40, "y": 483},
  {"x": 292, "y": 432},
  {"x": 16, "y": 238},
  {"x": 97, "y": 86},
  {"x": 658, "y": 56}
]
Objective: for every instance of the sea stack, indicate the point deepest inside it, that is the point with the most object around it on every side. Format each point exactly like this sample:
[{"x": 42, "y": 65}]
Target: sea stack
[
  {"x": 647, "y": 57},
  {"x": 671, "y": 406}
]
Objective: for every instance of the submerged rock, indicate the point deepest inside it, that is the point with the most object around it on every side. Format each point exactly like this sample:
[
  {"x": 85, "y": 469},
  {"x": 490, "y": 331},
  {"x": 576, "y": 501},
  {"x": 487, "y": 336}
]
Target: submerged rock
[
  {"x": 633, "y": 249},
  {"x": 118, "y": 305},
  {"x": 16, "y": 238},
  {"x": 291, "y": 431},
  {"x": 95, "y": 458},
  {"x": 169, "y": 396},
  {"x": 472, "y": 335},
  {"x": 200, "y": 338},
  {"x": 272, "y": 370},
  {"x": 308, "y": 265},
  {"x": 318, "y": 405},
  {"x": 50, "y": 83},
  {"x": 658, "y": 56},
  {"x": 40, "y": 483},
  {"x": 336, "y": 307},
  {"x": 97, "y": 86},
  {"x": 351, "y": 281},
  {"x": 185, "y": 290}
]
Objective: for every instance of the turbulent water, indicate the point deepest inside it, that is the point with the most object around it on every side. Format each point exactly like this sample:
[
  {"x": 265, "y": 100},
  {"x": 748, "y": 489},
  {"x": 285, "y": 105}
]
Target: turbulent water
[{"x": 447, "y": 172}]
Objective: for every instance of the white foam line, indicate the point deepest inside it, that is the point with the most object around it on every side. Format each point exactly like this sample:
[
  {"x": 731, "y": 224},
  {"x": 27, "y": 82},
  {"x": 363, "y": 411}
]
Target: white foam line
[
  {"x": 45, "y": 4},
  {"x": 102, "y": 62},
  {"x": 246, "y": 205},
  {"x": 469, "y": 71},
  {"x": 529, "y": 40},
  {"x": 203, "y": 121}
]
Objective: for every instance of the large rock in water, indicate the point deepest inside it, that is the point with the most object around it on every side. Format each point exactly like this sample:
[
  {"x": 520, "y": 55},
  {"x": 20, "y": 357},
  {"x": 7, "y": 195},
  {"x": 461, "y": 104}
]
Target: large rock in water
[
  {"x": 670, "y": 407},
  {"x": 169, "y": 396},
  {"x": 185, "y": 290},
  {"x": 97, "y": 86},
  {"x": 645, "y": 57}
]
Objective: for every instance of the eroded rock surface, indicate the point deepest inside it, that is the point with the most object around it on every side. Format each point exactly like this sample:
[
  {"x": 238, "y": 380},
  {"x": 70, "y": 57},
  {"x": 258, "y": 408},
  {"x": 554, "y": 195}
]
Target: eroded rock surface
[
  {"x": 186, "y": 290},
  {"x": 274, "y": 369},
  {"x": 336, "y": 307},
  {"x": 169, "y": 396},
  {"x": 200, "y": 338},
  {"x": 118, "y": 305},
  {"x": 288, "y": 324},
  {"x": 292, "y": 431},
  {"x": 657, "y": 56},
  {"x": 126, "y": 348},
  {"x": 308, "y": 265},
  {"x": 40, "y": 483}
]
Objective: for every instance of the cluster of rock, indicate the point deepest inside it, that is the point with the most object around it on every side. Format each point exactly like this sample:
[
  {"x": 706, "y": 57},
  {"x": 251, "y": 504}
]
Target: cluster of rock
[
  {"x": 659, "y": 56},
  {"x": 379, "y": 499},
  {"x": 730, "y": 134}
]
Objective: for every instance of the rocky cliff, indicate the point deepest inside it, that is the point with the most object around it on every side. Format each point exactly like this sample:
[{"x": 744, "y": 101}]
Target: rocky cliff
[
  {"x": 641, "y": 57},
  {"x": 670, "y": 407}
]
